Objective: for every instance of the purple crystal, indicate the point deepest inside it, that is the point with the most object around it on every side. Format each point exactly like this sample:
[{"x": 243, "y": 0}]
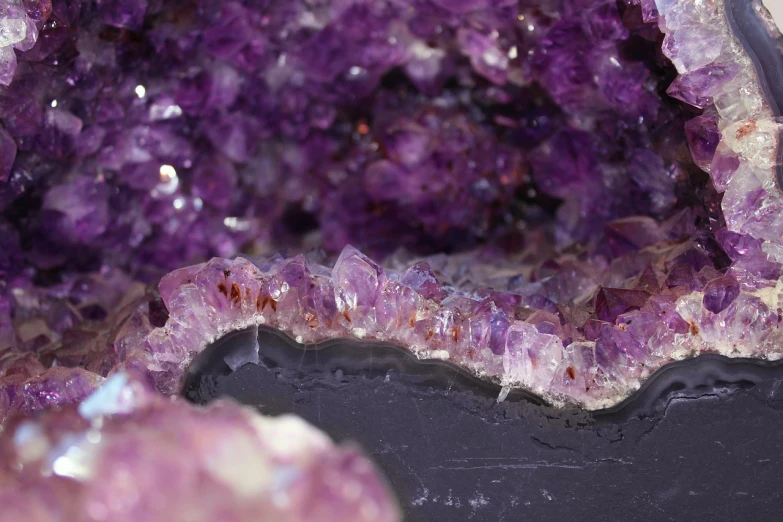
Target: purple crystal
[
  {"x": 7, "y": 154},
  {"x": 214, "y": 181},
  {"x": 421, "y": 278},
  {"x": 720, "y": 293},
  {"x": 38, "y": 10},
  {"x": 27, "y": 388},
  {"x": 698, "y": 87},
  {"x": 486, "y": 58},
  {"x": 82, "y": 209},
  {"x": 612, "y": 302},
  {"x": 703, "y": 138},
  {"x": 462, "y": 6},
  {"x": 524, "y": 200},
  {"x": 125, "y": 14}
]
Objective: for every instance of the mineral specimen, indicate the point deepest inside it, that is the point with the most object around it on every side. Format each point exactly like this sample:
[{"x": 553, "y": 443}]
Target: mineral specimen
[
  {"x": 559, "y": 196},
  {"x": 97, "y": 461}
]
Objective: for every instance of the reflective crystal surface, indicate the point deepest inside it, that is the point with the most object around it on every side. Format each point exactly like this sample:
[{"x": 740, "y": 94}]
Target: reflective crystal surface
[{"x": 559, "y": 196}]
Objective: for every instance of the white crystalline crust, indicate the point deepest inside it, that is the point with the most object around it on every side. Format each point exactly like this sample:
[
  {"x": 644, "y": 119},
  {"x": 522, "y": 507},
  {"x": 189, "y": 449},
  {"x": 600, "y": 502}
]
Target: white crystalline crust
[
  {"x": 208, "y": 301},
  {"x": 17, "y": 31},
  {"x": 752, "y": 202}
]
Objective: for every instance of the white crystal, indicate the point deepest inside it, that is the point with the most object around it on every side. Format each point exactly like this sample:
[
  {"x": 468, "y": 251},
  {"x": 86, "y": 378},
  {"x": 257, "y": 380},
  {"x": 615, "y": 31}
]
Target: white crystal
[
  {"x": 7, "y": 64},
  {"x": 754, "y": 140},
  {"x": 30, "y": 38},
  {"x": 518, "y": 368},
  {"x": 686, "y": 14},
  {"x": 30, "y": 442},
  {"x": 742, "y": 329},
  {"x": 165, "y": 110},
  {"x": 425, "y": 63},
  {"x": 247, "y": 355},
  {"x": 731, "y": 107},
  {"x": 169, "y": 182},
  {"x": 287, "y": 436},
  {"x": 64, "y": 121},
  {"x": 666, "y": 6},
  {"x": 754, "y": 100},
  {"x": 13, "y": 25},
  {"x": 752, "y": 204},
  {"x": 773, "y": 251},
  {"x": 77, "y": 461},
  {"x": 693, "y": 47},
  {"x": 114, "y": 396},
  {"x": 236, "y": 462}
]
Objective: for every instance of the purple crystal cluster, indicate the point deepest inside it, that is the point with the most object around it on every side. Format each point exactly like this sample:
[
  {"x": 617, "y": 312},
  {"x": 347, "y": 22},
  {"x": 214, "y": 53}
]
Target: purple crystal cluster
[
  {"x": 220, "y": 124},
  {"x": 562, "y": 196},
  {"x": 538, "y": 131}
]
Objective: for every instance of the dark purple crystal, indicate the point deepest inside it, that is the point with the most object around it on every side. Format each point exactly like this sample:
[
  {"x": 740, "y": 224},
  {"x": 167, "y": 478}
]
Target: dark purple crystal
[{"x": 720, "y": 293}]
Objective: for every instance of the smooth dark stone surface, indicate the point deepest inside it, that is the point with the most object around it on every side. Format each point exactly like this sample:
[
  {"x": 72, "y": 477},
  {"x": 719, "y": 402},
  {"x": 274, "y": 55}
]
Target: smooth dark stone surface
[
  {"x": 766, "y": 54},
  {"x": 701, "y": 441}
]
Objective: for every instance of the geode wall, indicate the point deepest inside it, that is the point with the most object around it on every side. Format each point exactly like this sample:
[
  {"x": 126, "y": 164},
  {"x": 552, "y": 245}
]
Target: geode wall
[{"x": 559, "y": 196}]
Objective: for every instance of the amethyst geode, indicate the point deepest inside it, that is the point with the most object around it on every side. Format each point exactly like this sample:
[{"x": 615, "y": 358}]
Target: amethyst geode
[
  {"x": 561, "y": 196},
  {"x": 128, "y": 454}
]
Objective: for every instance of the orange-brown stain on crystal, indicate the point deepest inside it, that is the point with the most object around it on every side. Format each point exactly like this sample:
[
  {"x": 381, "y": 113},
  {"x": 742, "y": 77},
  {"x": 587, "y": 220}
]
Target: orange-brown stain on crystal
[
  {"x": 571, "y": 373},
  {"x": 746, "y": 129},
  {"x": 263, "y": 300},
  {"x": 222, "y": 288},
  {"x": 236, "y": 293},
  {"x": 312, "y": 320},
  {"x": 694, "y": 329}
]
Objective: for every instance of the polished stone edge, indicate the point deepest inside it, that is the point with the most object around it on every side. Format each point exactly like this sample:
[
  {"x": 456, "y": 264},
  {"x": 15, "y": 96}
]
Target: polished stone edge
[
  {"x": 714, "y": 454},
  {"x": 705, "y": 374},
  {"x": 751, "y": 24}
]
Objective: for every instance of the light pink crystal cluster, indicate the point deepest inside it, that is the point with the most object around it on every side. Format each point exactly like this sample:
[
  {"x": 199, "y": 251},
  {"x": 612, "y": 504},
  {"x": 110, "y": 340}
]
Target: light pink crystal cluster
[{"x": 127, "y": 453}]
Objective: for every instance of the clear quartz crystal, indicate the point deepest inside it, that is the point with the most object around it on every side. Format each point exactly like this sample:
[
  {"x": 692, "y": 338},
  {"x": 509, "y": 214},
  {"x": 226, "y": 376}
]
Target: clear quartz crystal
[
  {"x": 13, "y": 24},
  {"x": 17, "y": 31},
  {"x": 7, "y": 64}
]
